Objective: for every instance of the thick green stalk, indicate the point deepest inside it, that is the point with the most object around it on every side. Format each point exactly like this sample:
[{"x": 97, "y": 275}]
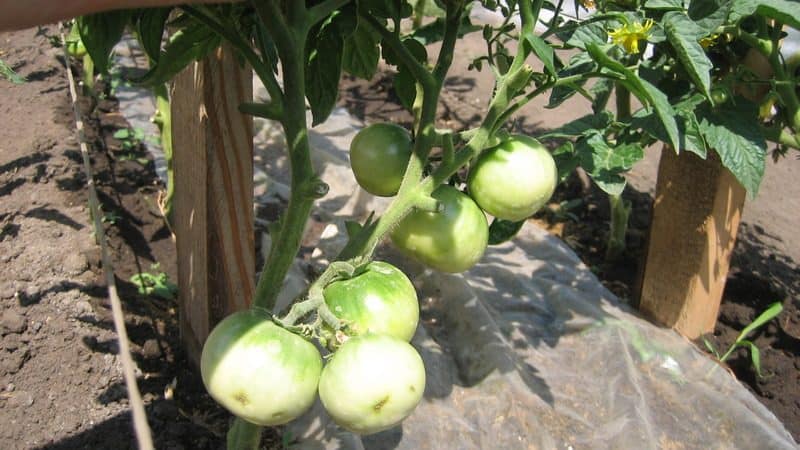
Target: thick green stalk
[
  {"x": 620, "y": 208},
  {"x": 290, "y": 38},
  {"x": 163, "y": 120},
  {"x": 620, "y": 213}
]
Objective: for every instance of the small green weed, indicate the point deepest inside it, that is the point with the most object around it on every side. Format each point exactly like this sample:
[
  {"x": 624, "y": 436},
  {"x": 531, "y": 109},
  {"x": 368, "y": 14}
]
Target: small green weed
[
  {"x": 155, "y": 284},
  {"x": 742, "y": 341}
]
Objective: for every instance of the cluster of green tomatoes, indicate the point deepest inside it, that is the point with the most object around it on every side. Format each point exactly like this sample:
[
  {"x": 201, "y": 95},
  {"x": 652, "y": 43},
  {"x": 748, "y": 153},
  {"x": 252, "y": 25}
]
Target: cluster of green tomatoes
[{"x": 269, "y": 375}]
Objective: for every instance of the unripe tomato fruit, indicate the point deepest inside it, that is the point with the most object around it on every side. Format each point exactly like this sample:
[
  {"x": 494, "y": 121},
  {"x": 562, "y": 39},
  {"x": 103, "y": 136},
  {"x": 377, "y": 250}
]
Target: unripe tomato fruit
[
  {"x": 379, "y": 155},
  {"x": 259, "y": 371},
  {"x": 380, "y": 300},
  {"x": 372, "y": 383},
  {"x": 514, "y": 179},
  {"x": 451, "y": 240}
]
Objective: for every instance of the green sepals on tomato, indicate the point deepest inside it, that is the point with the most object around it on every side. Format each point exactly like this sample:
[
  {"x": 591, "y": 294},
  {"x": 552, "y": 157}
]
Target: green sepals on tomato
[
  {"x": 514, "y": 179},
  {"x": 450, "y": 240},
  {"x": 379, "y": 300},
  {"x": 259, "y": 371},
  {"x": 379, "y": 155},
  {"x": 372, "y": 383}
]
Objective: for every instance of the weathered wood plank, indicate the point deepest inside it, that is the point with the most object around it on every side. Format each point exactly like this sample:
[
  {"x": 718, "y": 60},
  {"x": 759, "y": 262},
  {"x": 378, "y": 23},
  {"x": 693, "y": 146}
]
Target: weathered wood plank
[
  {"x": 213, "y": 224},
  {"x": 697, "y": 210}
]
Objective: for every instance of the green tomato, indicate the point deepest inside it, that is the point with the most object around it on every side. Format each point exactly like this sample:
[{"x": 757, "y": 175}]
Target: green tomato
[
  {"x": 379, "y": 155},
  {"x": 259, "y": 371},
  {"x": 514, "y": 179},
  {"x": 372, "y": 383},
  {"x": 451, "y": 240},
  {"x": 380, "y": 300}
]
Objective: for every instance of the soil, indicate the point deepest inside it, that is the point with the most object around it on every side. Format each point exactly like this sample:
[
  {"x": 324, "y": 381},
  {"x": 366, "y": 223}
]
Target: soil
[
  {"x": 60, "y": 375},
  {"x": 61, "y": 384}
]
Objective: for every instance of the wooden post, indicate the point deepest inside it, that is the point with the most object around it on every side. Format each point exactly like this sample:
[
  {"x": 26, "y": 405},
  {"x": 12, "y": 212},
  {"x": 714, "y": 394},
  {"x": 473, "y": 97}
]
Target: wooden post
[
  {"x": 213, "y": 207},
  {"x": 696, "y": 215}
]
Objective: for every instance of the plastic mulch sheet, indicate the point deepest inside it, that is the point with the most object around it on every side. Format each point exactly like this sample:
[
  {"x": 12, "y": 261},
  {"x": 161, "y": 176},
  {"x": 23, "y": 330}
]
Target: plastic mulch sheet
[{"x": 527, "y": 350}]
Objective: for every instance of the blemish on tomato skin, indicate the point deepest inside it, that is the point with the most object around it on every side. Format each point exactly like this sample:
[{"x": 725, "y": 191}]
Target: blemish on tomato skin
[
  {"x": 377, "y": 406},
  {"x": 241, "y": 398}
]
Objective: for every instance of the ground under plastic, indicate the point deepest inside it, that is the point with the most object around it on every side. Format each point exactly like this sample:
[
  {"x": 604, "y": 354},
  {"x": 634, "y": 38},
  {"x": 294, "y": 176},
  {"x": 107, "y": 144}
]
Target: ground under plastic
[{"x": 528, "y": 350}]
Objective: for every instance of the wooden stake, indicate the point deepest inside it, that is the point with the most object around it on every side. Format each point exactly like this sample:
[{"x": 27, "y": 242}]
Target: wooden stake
[
  {"x": 213, "y": 163},
  {"x": 696, "y": 215}
]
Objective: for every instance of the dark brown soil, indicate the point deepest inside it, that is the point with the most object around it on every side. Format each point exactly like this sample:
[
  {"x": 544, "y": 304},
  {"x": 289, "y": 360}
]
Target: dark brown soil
[
  {"x": 760, "y": 274},
  {"x": 61, "y": 384}
]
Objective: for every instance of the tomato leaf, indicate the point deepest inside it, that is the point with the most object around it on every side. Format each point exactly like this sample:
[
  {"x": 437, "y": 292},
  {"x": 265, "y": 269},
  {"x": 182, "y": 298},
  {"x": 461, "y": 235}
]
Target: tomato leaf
[
  {"x": 735, "y": 135},
  {"x": 404, "y": 82},
  {"x": 602, "y": 93},
  {"x": 100, "y": 33},
  {"x": 664, "y": 5},
  {"x": 605, "y": 164},
  {"x": 362, "y": 53},
  {"x": 184, "y": 47},
  {"x": 150, "y": 27},
  {"x": 584, "y": 34},
  {"x": 578, "y": 63},
  {"x": 434, "y": 31},
  {"x": 683, "y": 35},
  {"x": 325, "y": 59},
  {"x": 786, "y": 12},
  {"x": 581, "y": 126},
  {"x": 503, "y": 230}
]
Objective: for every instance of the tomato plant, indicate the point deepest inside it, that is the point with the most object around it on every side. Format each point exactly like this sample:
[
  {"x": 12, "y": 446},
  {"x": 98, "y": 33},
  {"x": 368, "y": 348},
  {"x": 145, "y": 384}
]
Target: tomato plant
[
  {"x": 372, "y": 383},
  {"x": 450, "y": 240},
  {"x": 379, "y": 155},
  {"x": 514, "y": 179},
  {"x": 379, "y": 300},
  {"x": 259, "y": 371},
  {"x": 696, "y": 50}
]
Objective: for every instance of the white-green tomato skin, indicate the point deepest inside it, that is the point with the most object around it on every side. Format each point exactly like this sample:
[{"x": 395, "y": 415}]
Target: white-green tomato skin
[
  {"x": 372, "y": 383},
  {"x": 513, "y": 180},
  {"x": 380, "y": 300},
  {"x": 258, "y": 371},
  {"x": 451, "y": 240}
]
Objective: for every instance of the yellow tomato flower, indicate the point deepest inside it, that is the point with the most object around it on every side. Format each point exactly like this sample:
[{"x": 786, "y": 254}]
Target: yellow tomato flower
[
  {"x": 709, "y": 41},
  {"x": 629, "y": 35},
  {"x": 588, "y": 4}
]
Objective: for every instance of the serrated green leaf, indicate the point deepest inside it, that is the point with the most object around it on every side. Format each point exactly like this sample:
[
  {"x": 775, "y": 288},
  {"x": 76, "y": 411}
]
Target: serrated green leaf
[
  {"x": 543, "y": 51},
  {"x": 683, "y": 35},
  {"x": 605, "y": 164},
  {"x": 503, "y": 230},
  {"x": 184, "y": 47},
  {"x": 736, "y": 137},
  {"x": 588, "y": 33},
  {"x": 150, "y": 29},
  {"x": 566, "y": 159},
  {"x": 362, "y": 53},
  {"x": 664, "y": 4},
  {"x": 323, "y": 71},
  {"x": 784, "y": 11},
  {"x": 100, "y": 33},
  {"x": 581, "y": 126},
  {"x": 405, "y": 86}
]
